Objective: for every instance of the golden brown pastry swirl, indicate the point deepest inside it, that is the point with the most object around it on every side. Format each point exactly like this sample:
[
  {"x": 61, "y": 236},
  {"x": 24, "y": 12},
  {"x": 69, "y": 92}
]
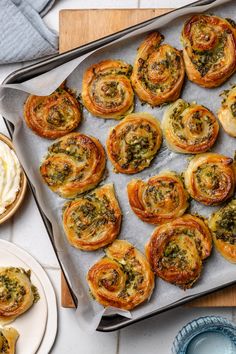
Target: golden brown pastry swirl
[
  {"x": 158, "y": 72},
  {"x": 223, "y": 225},
  {"x": 161, "y": 199},
  {"x": 8, "y": 338},
  {"x": 74, "y": 165},
  {"x": 210, "y": 178},
  {"x": 134, "y": 142},
  {"x": 176, "y": 250},
  {"x": 52, "y": 116},
  {"x": 209, "y": 49},
  {"x": 93, "y": 220},
  {"x": 123, "y": 278},
  {"x": 17, "y": 294},
  {"x": 227, "y": 112},
  {"x": 189, "y": 128},
  {"x": 107, "y": 90}
]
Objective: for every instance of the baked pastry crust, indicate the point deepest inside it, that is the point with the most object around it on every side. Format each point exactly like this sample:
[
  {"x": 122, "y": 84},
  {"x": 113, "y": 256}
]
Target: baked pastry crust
[
  {"x": 210, "y": 178},
  {"x": 227, "y": 112},
  {"x": 8, "y": 338},
  {"x": 17, "y": 293},
  {"x": 107, "y": 90},
  {"x": 159, "y": 200},
  {"x": 75, "y": 164},
  {"x": 123, "y": 278},
  {"x": 93, "y": 220},
  {"x": 189, "y": 128},
  {"x": 222, "y": 224},
  {"x": 158, "y": 71},
  {"x": 52, "y": 116},
  {"x": 176, "y": 250},
  {"x": 134, "y": 142},
  {"x": 209, "y": 49}
]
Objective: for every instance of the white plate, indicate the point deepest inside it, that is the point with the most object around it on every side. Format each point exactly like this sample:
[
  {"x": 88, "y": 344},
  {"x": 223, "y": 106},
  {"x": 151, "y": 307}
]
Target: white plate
[{"x": 37, "y": 331}]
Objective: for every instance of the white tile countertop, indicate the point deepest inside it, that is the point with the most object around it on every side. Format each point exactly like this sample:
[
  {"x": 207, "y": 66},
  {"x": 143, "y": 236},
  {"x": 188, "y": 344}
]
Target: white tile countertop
[{"x": 27, "y": 230}]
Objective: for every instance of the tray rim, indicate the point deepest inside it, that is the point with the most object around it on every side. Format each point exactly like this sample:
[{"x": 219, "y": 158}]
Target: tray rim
[{"x": 114, "y": 322}]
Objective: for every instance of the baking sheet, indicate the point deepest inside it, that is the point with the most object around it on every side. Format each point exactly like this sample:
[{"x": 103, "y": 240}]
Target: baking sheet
[{"x": 31, "y": 149}]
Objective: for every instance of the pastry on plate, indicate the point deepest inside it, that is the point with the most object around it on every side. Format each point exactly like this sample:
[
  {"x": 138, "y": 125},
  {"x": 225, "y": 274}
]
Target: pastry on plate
[
  {"x": 158, "y": 72},
  {"x": 8, "y": 338},
  {"x": 93, "y": 220},
  {"x": 189, "y": 128},
  {"x": 161, "y": 199},
  {"x": 227, "y": 111},
  {"x": 17, "y": 294},
  {"x": 75, "y": 164},
  {"x": 210, "y": 178},
  {"x": 106, "y": 89},
  {"x": 123, "y": 278},
  {"x": 176, "y": 250},
  {"x": 209, "y": 49},
  {"x": 134, "y": 142},
  {"x": 223, "y": 225},
  {"x": 53, "y": 116}
]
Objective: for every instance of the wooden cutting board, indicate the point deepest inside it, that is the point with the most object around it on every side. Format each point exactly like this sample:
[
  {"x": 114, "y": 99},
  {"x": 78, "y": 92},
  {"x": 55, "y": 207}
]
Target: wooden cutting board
[{"x": 78, "y": 27}]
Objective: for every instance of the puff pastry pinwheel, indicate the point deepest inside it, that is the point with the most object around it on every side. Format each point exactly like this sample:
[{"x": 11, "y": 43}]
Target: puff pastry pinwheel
[
  {"x": 123, "y": 278},
  {"x": 209, "y": 49},
  {"x": 223, "y": 225},
  {"x": 134, "y": 142},
  {"x": 74, "y": 165},
  {"x": 210, "y": 178},
  {"x": 189, "y": 128},
  {"x": 93, "y": 220},
  {"x": 17, "y": 294},
  {"x": 158, "y": 72},
  {"x": 161, "y": 199},
  {"x": 107, "y": 90},
  {"x": 227, "y": 112},
  {"x": 52, "y": 116},
  {"x": 8, "y": 338},
  {"x": 176, "y": 250}
]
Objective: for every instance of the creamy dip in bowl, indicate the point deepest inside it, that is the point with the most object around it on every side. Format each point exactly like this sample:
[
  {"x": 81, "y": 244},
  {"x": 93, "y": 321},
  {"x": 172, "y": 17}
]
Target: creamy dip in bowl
[{"x": 12, "y": 180}]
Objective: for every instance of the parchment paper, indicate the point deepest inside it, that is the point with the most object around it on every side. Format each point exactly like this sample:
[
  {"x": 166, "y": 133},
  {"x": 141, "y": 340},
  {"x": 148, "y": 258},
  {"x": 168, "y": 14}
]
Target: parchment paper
[{"x": 31, "y": 149}]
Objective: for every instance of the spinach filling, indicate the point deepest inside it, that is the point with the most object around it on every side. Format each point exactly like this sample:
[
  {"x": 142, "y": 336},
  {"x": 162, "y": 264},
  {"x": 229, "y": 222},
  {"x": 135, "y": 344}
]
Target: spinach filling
[
  {"x": 57, "y": 174},
  {"x": 226, "y": 226},
  {"x": 4, "y": 345},
  {"x": 171, "y": 62},
  {"x": 94, "y": 213},
  {"x": 133, "y": 281},
  {"x": 174, "y": 256},
  {"x": 56, "y": 117},
  {"x": 11, "y": 290},
  {"x": 205, "y": 60},
  {"x": 160, "y": 193},
  {"x": 71, "y": 148},
  {"x": 233, "y": 109},
  {"x": 208, "y": 178},
  {"x": 138, "y": 148}
]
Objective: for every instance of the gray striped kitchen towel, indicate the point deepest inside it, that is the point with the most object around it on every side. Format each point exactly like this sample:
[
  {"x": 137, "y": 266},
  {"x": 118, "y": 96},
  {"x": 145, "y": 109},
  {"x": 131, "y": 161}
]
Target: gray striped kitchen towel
[{"x": 23, "y": 34}]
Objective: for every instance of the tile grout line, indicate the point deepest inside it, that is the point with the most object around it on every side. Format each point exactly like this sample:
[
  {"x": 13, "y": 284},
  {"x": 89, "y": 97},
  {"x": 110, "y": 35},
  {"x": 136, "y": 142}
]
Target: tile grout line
[
  {"x": 118, "y": 343},
  {"x": 11, "y": 230}
]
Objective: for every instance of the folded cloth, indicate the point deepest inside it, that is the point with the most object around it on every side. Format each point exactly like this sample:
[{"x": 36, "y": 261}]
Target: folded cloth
[
  {"x": 23, "y": 35},
  {"x": 41, "y": 6}
]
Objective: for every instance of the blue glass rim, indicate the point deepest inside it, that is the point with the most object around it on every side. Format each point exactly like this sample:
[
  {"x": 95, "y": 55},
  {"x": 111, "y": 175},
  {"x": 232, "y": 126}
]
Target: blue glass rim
[{"x": 201, "y": 325}]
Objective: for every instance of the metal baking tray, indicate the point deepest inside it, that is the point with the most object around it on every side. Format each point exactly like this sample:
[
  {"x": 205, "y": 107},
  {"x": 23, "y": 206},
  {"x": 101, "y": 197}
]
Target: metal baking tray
[{"x": 115, "y": 322}]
